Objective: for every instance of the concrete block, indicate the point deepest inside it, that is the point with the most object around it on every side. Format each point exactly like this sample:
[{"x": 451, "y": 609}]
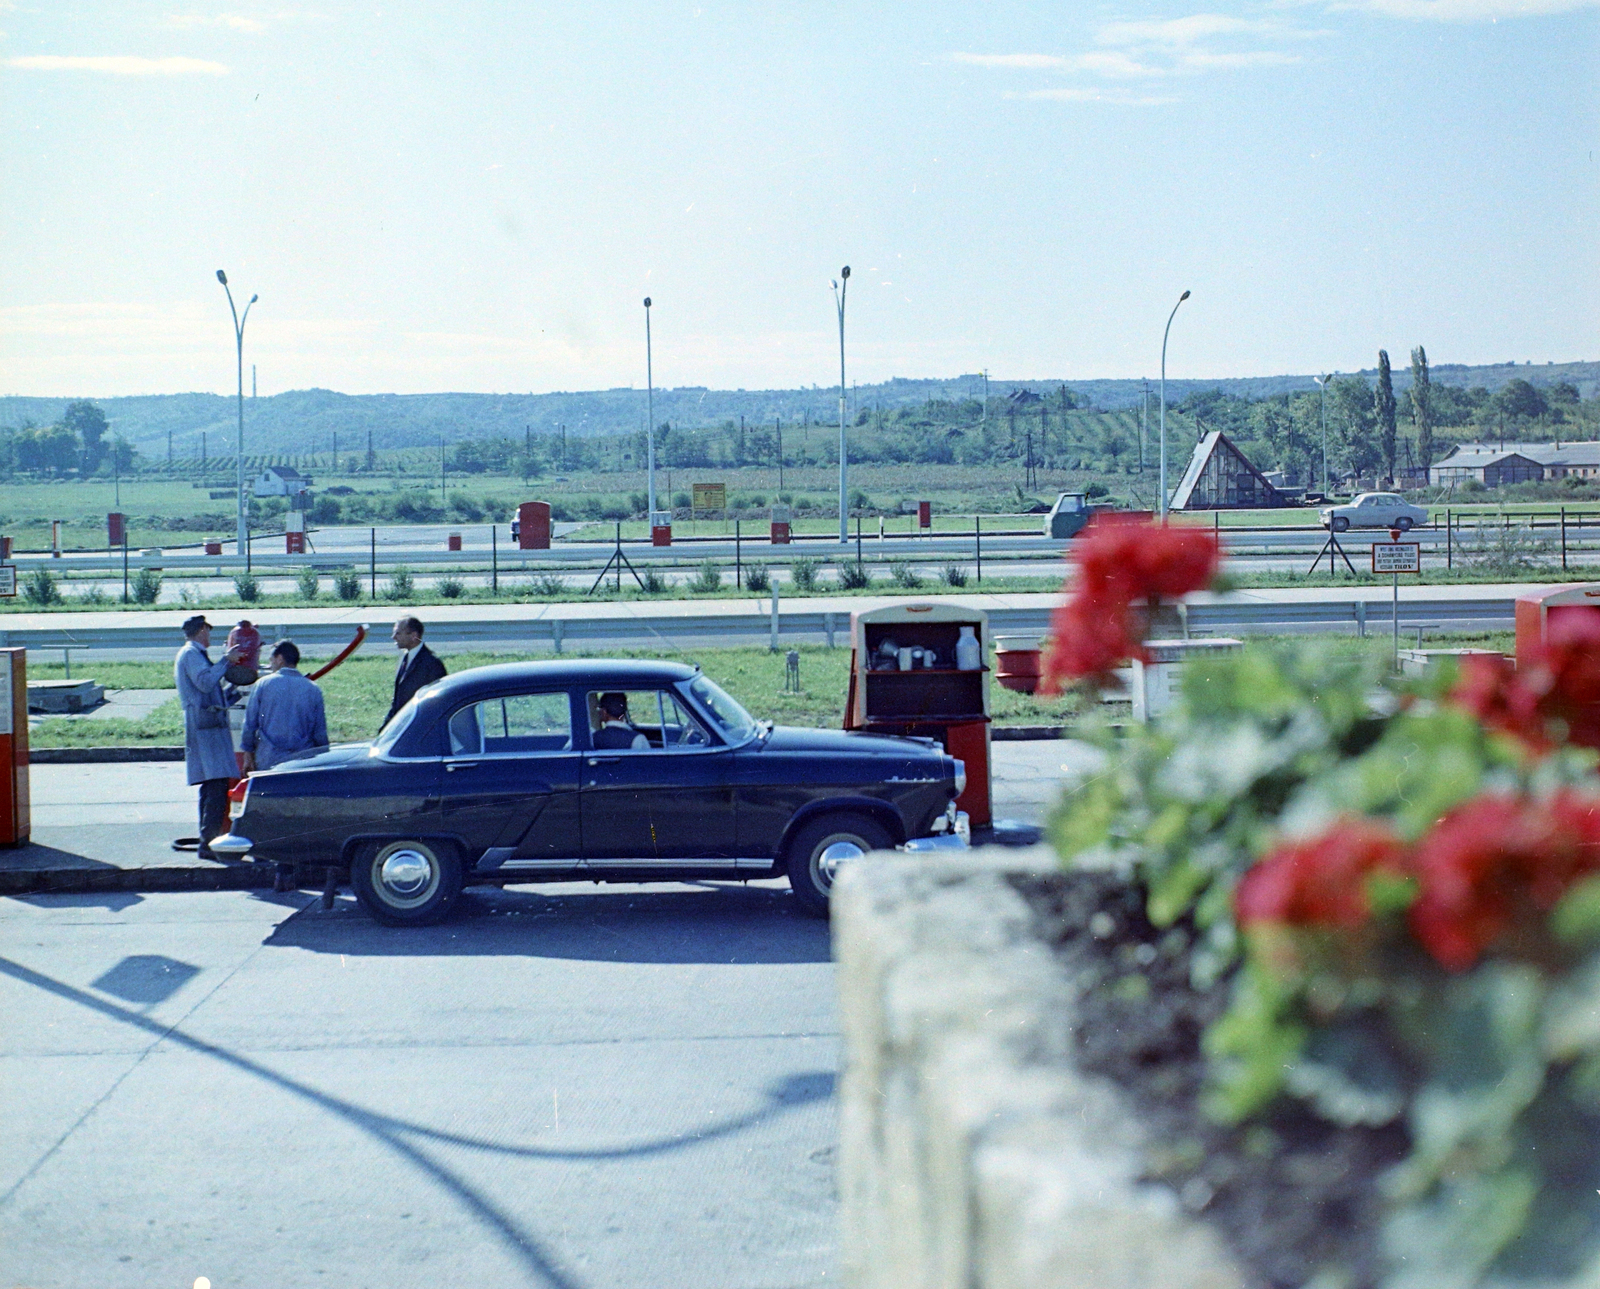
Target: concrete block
[{"x": 57, "y": 697}]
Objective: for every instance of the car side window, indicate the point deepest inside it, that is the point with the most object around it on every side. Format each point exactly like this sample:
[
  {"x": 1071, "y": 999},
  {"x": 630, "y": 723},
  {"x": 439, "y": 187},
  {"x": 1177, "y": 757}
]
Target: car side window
[
  {"x": 642, "y": 720},
  {"x": 514, "y": 725}
]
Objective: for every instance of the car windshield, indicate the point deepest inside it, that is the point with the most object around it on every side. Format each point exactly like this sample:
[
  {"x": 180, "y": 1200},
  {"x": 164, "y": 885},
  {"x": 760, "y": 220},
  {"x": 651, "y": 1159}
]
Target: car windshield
[{"x": 736, "y": 724}]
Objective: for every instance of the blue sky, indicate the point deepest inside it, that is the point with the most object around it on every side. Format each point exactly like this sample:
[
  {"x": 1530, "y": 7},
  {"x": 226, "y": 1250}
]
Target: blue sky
[{"x": 476, "y": 196}]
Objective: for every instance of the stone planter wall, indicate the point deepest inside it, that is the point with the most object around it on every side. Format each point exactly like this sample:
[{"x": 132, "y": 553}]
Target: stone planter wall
[{"x": 972, "y": 1154}]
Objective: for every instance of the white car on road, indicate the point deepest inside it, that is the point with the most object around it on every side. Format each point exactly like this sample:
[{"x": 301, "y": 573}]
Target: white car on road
[{"x": 1374, "y": 510}]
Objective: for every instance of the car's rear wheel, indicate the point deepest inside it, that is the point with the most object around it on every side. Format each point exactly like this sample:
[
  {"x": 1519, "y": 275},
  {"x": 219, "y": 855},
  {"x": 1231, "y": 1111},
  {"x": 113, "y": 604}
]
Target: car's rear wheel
[
  {"x": 818, "y": 849},
  {"x": 1404, "y": 523},
  {"x": 1340, "y": 524},
  {"x": 407, "y": 882}
]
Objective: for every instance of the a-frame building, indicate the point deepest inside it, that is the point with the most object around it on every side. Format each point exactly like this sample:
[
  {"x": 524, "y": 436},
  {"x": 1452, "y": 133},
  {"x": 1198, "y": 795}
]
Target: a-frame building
[{"x": 1220, "y": 478}]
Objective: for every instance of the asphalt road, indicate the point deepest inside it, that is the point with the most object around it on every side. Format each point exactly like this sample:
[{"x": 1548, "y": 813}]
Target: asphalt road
[{"x": 565, "y": 1085}]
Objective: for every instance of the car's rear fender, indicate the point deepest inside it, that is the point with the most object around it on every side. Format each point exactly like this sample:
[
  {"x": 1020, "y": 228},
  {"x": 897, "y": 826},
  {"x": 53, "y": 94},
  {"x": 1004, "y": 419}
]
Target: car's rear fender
[{"x": 879, "y": 811}]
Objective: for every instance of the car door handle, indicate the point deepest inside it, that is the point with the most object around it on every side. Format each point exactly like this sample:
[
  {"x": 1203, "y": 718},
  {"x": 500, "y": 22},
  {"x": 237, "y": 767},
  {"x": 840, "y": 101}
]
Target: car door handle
[
  {"x": 460, "y": 765},
  {"x": 604, "y": 760}
]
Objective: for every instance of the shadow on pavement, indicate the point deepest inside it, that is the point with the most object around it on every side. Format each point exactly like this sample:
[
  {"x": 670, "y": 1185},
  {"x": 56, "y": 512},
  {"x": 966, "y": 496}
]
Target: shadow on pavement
[{"x": 733, "y": 924}]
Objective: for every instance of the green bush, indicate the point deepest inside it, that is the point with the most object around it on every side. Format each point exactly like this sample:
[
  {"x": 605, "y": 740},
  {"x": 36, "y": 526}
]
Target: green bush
[
  {"x": 147, "y": 586},
  {"x": 904, "y": 575},
  {"x": 400, "y": 586},
  {"x": 347, "y": 584},
  {"x": 41, "y": 587},
  {"x": 707, "y": 578},
  {"x": 94, "y": 595},
  {"x": 953, "y": 575},
  {"x": 854, "y": 577},
  {"x": 803, "y": 573},
  {"x": 547, "y": 585},
  {"x": 654, "y": 583},
  {"x": 308, "y": 583},
  {"x": 757, "y": 578},
  {"x": 246, "y": 587},
  {"x": 451, "y": 587}
]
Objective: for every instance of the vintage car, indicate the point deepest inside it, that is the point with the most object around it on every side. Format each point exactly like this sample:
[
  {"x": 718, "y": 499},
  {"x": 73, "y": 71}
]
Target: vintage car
[
  {"x": 590, "y": 770},
  {"x": 1374, "y": 510}
]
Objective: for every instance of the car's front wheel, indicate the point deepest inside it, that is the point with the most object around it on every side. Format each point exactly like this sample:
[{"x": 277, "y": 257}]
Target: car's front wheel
[
  {"x": 407, "y": 883},
  {"x": 818, "y": 849},
  {"x": 1340, "y": 524}
]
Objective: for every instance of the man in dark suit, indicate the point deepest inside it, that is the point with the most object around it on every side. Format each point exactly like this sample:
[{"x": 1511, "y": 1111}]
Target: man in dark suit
[{"x": 418, "y": 665}]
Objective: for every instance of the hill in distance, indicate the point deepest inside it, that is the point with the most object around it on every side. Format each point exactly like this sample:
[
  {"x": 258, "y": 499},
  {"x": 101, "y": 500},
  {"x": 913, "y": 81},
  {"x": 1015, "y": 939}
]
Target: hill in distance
[{"x": 307, "y": 420}]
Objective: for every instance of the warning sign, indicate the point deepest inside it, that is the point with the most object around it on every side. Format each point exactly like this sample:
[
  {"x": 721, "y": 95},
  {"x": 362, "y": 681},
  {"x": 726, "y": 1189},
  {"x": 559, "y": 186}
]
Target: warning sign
[
  {"x": 8, "y": 580},
  {"x": 710, "y": 496},
  {"x": 1396, "y": 557}
]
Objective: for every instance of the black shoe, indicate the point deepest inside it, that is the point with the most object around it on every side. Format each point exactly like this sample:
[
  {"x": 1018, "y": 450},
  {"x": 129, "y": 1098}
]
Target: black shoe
[{"x": 205, "y": 852}]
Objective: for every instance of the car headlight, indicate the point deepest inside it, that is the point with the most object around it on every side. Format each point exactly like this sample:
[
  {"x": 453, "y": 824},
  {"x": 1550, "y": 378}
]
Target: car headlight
[{"x": 961, "y": 777}]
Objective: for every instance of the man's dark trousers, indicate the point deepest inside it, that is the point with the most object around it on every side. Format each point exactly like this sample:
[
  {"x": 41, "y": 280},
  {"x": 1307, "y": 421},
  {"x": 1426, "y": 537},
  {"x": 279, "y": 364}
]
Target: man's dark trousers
[{"x": 213, "y": 813}]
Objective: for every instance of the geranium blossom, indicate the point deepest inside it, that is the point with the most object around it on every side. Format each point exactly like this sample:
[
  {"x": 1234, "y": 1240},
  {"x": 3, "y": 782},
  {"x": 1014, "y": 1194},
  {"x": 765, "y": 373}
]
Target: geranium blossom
[
  {"x": 1554, "y": 696},
  {"x": 1121, "y": 563},
  {"x": 1494, "y": 858},
  {"x": 1323, "y": 880}
]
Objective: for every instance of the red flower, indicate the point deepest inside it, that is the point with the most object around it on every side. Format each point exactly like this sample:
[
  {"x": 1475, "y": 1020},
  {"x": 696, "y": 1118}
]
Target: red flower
[
  {"x": 1494, "y": 858},
  {"x": 1121, "y": 563},
  {"x": 1321, "y": 881},
  {"x": 1553, "y": 697}
]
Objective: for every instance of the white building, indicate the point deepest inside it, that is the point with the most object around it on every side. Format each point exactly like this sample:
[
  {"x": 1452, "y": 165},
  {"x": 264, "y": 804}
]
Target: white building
[
  {"x": 1494, "y": 464},
  {"x": 280, "y": 481}
]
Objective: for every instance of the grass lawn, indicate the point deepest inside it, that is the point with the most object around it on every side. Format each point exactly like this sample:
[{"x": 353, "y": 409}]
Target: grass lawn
[{"x": 357, "y": 693}]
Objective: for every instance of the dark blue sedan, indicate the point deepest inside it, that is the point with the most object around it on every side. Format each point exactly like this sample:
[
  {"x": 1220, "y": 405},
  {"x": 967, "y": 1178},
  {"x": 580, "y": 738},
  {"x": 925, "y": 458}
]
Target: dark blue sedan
[{"x": 590, "y": 770}]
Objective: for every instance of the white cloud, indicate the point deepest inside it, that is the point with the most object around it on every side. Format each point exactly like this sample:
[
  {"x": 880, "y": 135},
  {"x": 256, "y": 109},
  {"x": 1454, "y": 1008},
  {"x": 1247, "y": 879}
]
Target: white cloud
[
  {"x": 1110, "y": 63},
  {"x": 1030, "y": 62},
  {"x": 233, "y": 21},
  {"x": 1185, "y": 31},
  {"x": 1090, "y": 94},
  {"x": 118, "y": 65}
]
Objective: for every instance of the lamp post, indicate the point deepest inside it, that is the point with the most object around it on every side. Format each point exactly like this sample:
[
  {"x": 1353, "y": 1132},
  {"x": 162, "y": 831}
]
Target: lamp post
[
  {"x": 1164, "y": 336},
  {"x": 238, "y": 339},
  {"x": 650, "y": 413},
  {"x": 1322, "y": 385},
  {"x": 839, "y": 289}
]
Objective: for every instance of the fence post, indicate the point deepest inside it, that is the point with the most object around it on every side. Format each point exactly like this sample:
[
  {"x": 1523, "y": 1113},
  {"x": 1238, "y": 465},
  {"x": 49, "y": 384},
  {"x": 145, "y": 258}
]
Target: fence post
[
  {"x": 977, "y": 543},
  {"x": 827, "y": 625},
  {"x": 774, "y": 645},
  {"x": 738, "y": 571},
  {"x": 556, "y": 625},
  {"x": 373, "y": 567},
  {"x": 1361, "y": 619},
  {"x": 1563, "y": 538},
  {"x": 1449, "y": 553},
  {"x": 494, "y": 559}
]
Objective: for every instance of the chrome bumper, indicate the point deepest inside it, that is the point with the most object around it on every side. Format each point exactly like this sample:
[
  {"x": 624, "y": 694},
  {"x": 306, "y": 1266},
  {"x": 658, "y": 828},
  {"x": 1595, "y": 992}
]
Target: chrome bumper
[
  {"x": 231, "y": 843},
  {"x": 954, "y": 834}
]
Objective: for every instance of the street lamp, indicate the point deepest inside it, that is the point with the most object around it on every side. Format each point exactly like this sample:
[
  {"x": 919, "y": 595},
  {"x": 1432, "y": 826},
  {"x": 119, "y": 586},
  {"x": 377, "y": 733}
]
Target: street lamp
[
  {"x": 238, "y": 339},
  {"x": 839, "y": 289},
  {"x": 1164, "y": 336},
  {"x": 650, "y": 413},
  {"x": 1322, "y": 384}
]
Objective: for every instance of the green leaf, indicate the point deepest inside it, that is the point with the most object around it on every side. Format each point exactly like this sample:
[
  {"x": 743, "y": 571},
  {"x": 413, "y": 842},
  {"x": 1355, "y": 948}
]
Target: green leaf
[
  {"x": 1446, "y": 1241},
  {"x": 1576, "y": 919},
  {"x": 1251, "y": 1045}
]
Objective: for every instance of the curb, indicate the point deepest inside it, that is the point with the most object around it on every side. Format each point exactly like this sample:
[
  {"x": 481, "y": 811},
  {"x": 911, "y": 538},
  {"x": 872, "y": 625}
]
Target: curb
[
  {"x": 76, "y": 881},
  {"x": 101, "y": 755}
]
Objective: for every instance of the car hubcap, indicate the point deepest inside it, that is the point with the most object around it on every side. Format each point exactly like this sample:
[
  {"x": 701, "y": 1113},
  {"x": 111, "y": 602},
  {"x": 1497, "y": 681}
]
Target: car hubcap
[
  {"x": 406, "y": 873},
  {"x": 830, "y": 857}
]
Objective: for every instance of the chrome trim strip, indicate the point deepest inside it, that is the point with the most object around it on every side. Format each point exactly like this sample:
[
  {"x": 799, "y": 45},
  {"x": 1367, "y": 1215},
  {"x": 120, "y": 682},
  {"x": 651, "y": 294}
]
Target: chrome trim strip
[
  {"x": 666, "y": 864},
  {"x": 494, "y": 857},
  {"x": 536, "y": 865}
]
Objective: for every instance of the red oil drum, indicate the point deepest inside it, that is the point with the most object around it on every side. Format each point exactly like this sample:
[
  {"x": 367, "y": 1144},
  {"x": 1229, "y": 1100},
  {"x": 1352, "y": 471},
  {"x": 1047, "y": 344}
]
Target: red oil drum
[
  {"x": 453, "y": 542},
  {"x": 1017, "y": 663}
]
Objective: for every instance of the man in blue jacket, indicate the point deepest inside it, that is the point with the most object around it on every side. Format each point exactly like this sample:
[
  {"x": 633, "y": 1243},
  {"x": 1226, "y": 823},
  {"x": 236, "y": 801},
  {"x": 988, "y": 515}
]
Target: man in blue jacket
[
  {"x": 207, "y": 740},
  {"x": 284, "y": 716}
]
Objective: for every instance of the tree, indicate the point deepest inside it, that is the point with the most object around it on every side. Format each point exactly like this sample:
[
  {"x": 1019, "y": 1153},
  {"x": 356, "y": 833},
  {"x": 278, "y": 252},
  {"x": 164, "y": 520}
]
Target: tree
[
  {"x": 1383, "y": 407},
  {"x": 1520, "y": 401},
  {"x": 88, "y": 422},
  {"x": 1422, "y": 406}
]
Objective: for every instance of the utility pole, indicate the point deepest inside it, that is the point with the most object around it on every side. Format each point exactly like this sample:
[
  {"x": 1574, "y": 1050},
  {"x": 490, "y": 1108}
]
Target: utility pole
[
  {"x": 1144, "y": 418},
  {"x": 441, "y": 472},
  {"x": 650, "y": 415},
  {"x": 777, "y": 425},
  {"x": 252, "y": 381},
  {"x": 238, "y": 337},
  {"x": 1164, "y": 335},
  {"x": 839, "y": 290}
]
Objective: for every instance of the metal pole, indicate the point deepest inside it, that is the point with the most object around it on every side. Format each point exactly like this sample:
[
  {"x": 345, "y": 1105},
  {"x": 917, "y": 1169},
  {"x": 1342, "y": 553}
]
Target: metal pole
[
  {"x": 124, "y": 563},
  {"x": 650, "y": 406},
  {"x": 839, "y": 289},
  {"x": 1563, "y": 537},
  {"x": 977, "y": 542},
  {"x": 1449, "y": 542},
  {"x": 494, "y": 559},
  {"x": 738, "y": 565},
  {"x": 1322, "y": 384},
  {"x": 1164, "y": 334},
  {"x": 1396, "y": 663},
  {"x": 373, "y": 556},
  {"x": 242, "y": 538}
]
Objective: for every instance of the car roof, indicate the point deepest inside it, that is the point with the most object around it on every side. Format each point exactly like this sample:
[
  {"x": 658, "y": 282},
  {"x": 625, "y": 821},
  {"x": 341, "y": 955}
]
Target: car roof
[{"x": 612, "y": 673}]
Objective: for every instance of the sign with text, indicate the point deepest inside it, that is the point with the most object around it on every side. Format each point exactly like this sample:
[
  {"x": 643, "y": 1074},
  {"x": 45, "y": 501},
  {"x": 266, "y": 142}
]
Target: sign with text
[
  {"x": 1396, "y": 557},
  {"x": 710, "y": 496},
  {"x": 8, "y": 580}
]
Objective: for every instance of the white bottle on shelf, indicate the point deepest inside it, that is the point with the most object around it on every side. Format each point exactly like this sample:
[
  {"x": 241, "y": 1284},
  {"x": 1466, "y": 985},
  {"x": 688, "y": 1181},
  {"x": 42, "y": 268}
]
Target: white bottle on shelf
[{"x": 969, "y": 653}]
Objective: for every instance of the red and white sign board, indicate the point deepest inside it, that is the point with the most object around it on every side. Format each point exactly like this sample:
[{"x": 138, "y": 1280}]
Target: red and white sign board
[
  {"x": 8, "y": 580},
  {"x": 1397, "y": 557}
]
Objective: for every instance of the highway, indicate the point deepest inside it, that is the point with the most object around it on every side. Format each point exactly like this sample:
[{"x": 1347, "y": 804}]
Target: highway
[{"x": 680, "y": 624}]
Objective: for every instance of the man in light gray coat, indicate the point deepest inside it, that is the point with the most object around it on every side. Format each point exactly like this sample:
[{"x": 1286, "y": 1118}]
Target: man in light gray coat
[
  {"x": 207, "y": 741},
  {"x": 284, "y": 716}
]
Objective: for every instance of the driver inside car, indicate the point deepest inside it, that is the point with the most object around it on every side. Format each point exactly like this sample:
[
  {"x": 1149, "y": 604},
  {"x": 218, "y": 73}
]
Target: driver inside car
[{"x": 615, "y": 732}]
